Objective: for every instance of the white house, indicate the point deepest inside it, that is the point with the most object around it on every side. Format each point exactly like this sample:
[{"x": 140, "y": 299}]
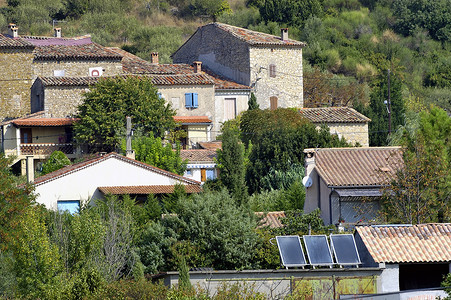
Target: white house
[
  {"x": 67, "y": 187},
  {"x": 201, "y": 164}
]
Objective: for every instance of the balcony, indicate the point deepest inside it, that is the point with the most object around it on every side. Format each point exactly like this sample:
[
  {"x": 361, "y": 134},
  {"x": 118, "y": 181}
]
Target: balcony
[{"x": 46, "y": 149}]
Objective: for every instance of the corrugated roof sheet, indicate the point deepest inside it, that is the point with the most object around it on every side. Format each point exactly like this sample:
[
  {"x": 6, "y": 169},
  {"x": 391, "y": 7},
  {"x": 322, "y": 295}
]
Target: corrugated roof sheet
[
  {"x": 75, "y": 52},
  {"x": 198, "y": 155},
  {"x": 271, "y": 219},
  {"x": 191, "y": 119},
  {"x": 7, "y": 42},
  {"x": 42, "y": 122},
  {"x": 371, "y": 166},
  {"x": 97, "y": 159},
  {"x": 148, "y": 189},
  {"x": 408, "y": 244},
  {"x": 333, "y": 115},
  {"x": 256, "y": 38}
]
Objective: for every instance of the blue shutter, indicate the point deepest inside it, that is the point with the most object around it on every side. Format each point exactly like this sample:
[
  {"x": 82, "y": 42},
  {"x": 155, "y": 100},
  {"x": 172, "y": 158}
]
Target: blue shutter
[
  {"x": 195, "y": 103},
  {"x": 188, "y": 100}
]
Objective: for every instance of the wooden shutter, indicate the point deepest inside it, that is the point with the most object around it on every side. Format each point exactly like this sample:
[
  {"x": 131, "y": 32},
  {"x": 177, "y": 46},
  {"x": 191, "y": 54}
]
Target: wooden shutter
[
  {"x": 229, "y": 108},
  {"x": 203, "y": 175},
  {"x": 272, "y": 70},
  {"x": 273, "y": 102}
]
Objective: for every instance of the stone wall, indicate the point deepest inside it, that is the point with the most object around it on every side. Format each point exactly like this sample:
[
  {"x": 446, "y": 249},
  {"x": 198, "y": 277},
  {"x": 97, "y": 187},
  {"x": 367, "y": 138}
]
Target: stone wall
[
  {"x": 219, "y": 51},
  {"x": 287, "y": 85},
  {"x": 75, "y": 68},
  {"x": 15, "y": 82},
  {"x": 352, "y": 132}
]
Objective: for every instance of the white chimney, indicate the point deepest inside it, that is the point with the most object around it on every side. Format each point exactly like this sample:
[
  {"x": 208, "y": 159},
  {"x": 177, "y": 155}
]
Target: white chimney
[
  {"x": 197, "y": 66},
  {"x": 284, "y": 34},
  {"x": 13, "y": 30},
  {"x": 154, "y": 58},
  {"x": 57, "y": 32}
]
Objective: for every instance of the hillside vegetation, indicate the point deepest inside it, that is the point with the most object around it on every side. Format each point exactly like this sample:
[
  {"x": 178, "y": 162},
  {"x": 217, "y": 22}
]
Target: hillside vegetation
[{"x": 351, "y": 43}]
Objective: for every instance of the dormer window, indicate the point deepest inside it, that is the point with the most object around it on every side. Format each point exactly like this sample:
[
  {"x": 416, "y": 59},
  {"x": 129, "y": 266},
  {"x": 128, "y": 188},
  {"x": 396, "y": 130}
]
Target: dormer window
[{"x": 272, "y": 70}]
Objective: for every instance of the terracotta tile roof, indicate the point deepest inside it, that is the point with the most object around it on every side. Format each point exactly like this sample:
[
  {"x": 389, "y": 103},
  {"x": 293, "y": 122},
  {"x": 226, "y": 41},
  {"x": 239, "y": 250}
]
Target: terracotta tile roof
[
  {"x": 7, "y": 42},
  {"x": 47, "y": 41},
  {"x": 148, "y": 189},
  {"x": 39, "y": 114},
  {"x": 346, "y": 167},
  {"x": 97, "y": 159},
  {"x": 41, "y": 122},
  {"x": 333, "y": 115},
  {"x": 198, "y": 155},
  {"x": 411, "y": 243},
  {"x": 271, "y": 219},
  {"x": 90, "y": 51},
  {"x": 189, "y": 79},
  {"x": 191, "y": 119},
  {"x": 211, "y": 145},
  {"x": 256, "y": 38}
]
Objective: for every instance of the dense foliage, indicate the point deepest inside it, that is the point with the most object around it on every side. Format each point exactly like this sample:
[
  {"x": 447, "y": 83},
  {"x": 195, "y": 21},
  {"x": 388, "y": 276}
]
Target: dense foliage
[
  {"x": 106, "y": 106},
  {"x": 56, "y": 161}
]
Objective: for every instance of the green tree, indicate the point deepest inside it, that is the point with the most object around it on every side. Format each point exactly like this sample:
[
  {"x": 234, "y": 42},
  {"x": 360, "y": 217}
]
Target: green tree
[
  {"x": 105, "y": 107},
  {"x": 56, "y": 161},
  {"x": 150, "y": 150},
  {"x": 252, "y": 103},
  {"x": 14, "y": 202},
  {"x": 288, "y": 11},
  {"x": 231, "y": 164}
]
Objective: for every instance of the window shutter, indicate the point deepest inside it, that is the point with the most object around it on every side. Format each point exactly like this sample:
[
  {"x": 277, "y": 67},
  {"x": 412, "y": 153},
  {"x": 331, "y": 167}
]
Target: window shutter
[
  {"x": 273, "y": 102},
  {"x": 188, "y": 100},
  {"x": 195, "y": 103},
  {"x": 203, "y": 175},
  {"x": 272, "y": 70}
]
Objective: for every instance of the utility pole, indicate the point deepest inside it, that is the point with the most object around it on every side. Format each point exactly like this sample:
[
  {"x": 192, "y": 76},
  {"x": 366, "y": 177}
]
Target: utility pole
[
  {"x": 389, "y": 103},
  {"x": 129, "y": 151}
]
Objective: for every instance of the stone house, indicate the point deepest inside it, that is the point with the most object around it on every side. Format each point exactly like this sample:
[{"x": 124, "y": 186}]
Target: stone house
[
  {"x": 345, "y": 122},
  {"x": 271, "y": 65},
  {"x": 346, "y": 184}
]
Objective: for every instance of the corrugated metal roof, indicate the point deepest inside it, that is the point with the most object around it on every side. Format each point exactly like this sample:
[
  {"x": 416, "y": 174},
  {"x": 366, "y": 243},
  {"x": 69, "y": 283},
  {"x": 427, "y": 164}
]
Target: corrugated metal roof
[
  {"x": 371, "y": 166},
  {"x": 256, "y": 38},
  {"x": 43, "y": 122},
  {"x": 408, "y": 244},
  {"x": 198, "y": 155},
  {"x": 148, "y": 189},
  {"x": 333, "y": 115},
  {"x": 82, "y": 165},
  {"x": 191, "y": 119}
]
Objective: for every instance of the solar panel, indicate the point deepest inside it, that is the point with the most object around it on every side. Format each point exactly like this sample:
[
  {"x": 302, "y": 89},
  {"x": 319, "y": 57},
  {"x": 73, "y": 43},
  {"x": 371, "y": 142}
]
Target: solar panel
[
  {"x": 318, "y": 250},
  {"x": 290, "y": 250},
  {"x": 345, "y": 250}
]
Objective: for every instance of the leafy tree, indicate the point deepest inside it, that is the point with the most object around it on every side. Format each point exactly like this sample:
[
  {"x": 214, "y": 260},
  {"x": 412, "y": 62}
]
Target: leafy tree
[
  {"x": 56, "y": 161},
  {"x": 14, "y": 202},
  {"x": 296, "y": 222},
  {"x": 288, "y": 11},
  {"x": 150, "y": 150},
  {"x": 421, "y": 190},
  {"x": 231, "y": 165},
  {"x": 252, "y": 103},
  {"x": 105, "y": 107}
]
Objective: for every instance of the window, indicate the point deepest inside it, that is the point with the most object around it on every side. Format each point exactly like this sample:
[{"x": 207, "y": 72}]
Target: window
[
  {"x": 229, "y": 108},
  {"x": 72, "y": 206},
  {"x": 25, "y": 136},
  {"x": 273, "y": 102},
  {"x": 272, "y": 70},
  {"x": 207, "y": 174},
  {"x": 191, "y": 100},
  {"x": 210, "y": 174}
]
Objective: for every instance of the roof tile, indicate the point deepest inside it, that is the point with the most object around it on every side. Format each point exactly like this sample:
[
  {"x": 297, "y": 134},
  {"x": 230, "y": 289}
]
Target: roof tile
[
  {"x": 271, "y": 219},
  {"x": 192, "y": 119},
  {"x": 41, "y": 122},
  {"x": 408, "y": 243},
  {"x": 75, "y": 52},
  {"x": 198, "y": 155},
  {"x": 333, "y": 115},
  {"x": 7, "y": 42}
]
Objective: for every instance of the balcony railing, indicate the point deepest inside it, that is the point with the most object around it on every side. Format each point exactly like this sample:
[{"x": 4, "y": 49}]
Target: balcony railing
[{"x": 46, "y": 149}]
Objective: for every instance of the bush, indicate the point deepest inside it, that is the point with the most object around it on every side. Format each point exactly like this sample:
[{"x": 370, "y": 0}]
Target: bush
[{"x": 56, "y": 161}]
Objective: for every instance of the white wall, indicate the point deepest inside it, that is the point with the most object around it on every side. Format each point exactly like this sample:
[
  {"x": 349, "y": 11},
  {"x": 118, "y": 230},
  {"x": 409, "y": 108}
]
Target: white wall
[
  {"x": 82, "y": 185},
  {"x": 389, "y": 279}
]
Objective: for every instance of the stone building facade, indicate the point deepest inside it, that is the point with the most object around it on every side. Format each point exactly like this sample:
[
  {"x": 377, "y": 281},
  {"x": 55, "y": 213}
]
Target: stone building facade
[
  {"x": 345, "y": 122},
  {"x": 271, "y": 65}
]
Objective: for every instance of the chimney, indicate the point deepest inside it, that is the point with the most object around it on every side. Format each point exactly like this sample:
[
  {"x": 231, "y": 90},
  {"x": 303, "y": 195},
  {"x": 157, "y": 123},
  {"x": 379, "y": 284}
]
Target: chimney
[
  {"x": 197, "y": 66},
  {"x": 57, "y": 32},
  {"x": 154, "y": 58},
  {"x": 30, "y": 169},
  {"x": 12, "y": 30},
  {"x": 284, "y": 34}
]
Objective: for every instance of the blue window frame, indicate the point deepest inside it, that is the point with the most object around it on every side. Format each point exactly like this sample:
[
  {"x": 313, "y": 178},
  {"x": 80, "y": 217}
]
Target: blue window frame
[
  {"x": 72, "y": 206},
  {"x": 191, "y": 100},
  {"x": 210, "y": 174}
]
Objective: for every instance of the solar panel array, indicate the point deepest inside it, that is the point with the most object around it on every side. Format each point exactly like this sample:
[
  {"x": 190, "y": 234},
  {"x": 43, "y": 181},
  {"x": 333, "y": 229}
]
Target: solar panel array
[{"x": 318, "y": 251}]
